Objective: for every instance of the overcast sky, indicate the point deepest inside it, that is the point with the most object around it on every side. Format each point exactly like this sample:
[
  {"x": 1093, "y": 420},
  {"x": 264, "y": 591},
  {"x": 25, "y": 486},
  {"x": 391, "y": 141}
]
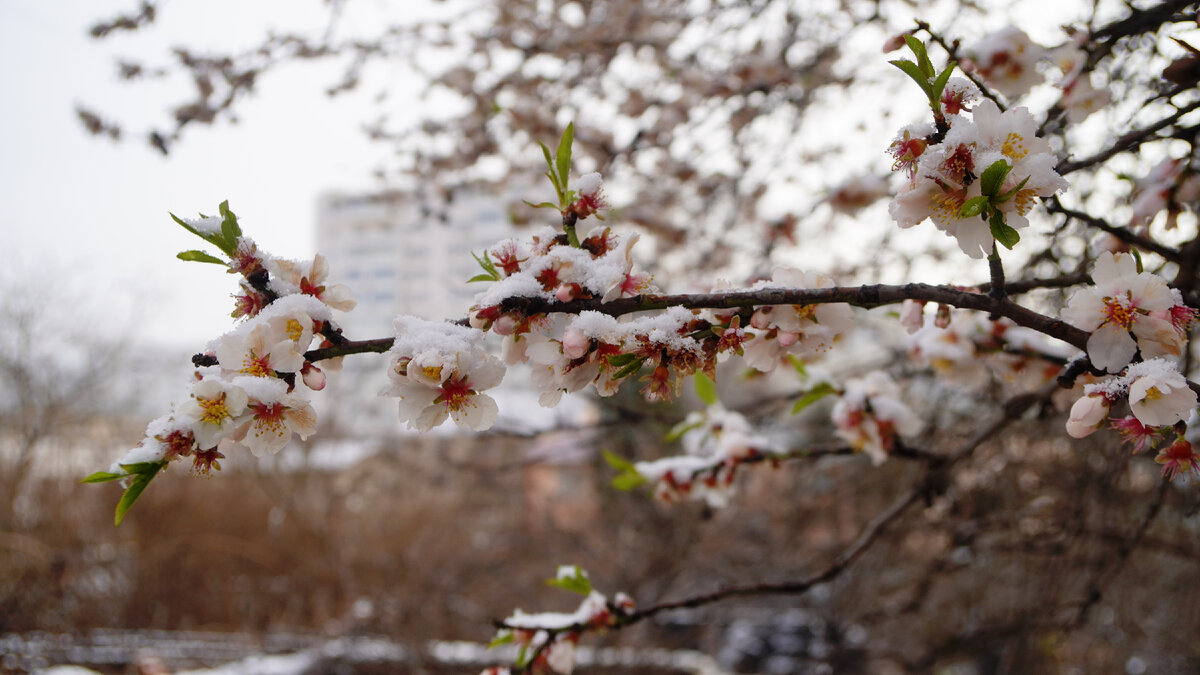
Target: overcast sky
[{"x": 86, "y": 207}]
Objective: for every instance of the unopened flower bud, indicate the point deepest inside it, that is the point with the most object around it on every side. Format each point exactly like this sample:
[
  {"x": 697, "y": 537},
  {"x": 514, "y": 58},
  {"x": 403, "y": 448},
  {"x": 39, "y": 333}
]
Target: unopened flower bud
[
  {"x": 942, "y": 318},
  {"x": 575, "y": 344},
  {"x": 1087, "y": 415},
  {"x": 313, "y": 377}
]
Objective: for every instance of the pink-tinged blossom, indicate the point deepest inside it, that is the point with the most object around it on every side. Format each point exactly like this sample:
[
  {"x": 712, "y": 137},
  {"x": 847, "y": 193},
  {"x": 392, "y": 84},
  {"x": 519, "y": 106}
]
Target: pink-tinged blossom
[
  {"x": 290, "y": 276},
  {"x": 440, "y": 370},
  {"x": 258, "y": 352},
  {"x": 1007, "y": 61},
  {"x": 912, "y": 315},
  {"x": 1140, "y": 436},
  {"x": 858, "y": 192},
  {"x": 1087, "y": 415},
  {"x": 1159, "y": 394},
  {"x": 803, "y": 330},
  {"x": 1122, "y": 302},
  {"x": 1178, "y": 457},
  {"x": 870, "y": 415},
  {"x": 272, "y": 424},
  {"x": 213, "y": 410}
]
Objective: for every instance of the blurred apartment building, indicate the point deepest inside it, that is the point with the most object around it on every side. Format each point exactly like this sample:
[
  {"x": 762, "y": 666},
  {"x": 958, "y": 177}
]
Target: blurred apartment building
[{"x": 401, "y": 253}]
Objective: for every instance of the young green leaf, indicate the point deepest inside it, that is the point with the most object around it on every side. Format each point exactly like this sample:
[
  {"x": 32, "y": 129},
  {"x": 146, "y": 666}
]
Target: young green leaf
[
  {"x": 141, "y": 478},
  {"x": 1137, "y": 257},
  {"x": 706, "y": 389},
  {"x": 619, "y": 360},
  {"x": 480, "y": 277},
  {"x": 576, "y": 582},
  {"x": 230, "y": 230},
  {"x": 103, "y": 477},
  {"x": 199, "y": 256},
  {"x": 939, "y": 86},
  {"x": 562, "y": 157},
  {"x": 503, "y": 638},
  {"x": 617, "y": 462},
  {"x": 1001, "y": 230},
  {"x": 680, "y": 429},
  {"x": 630, "y": 369},
  {"x": 628, "y": 481},
  {"x": 543, "y": 205},
  {"x": 973, "y": 207},
  {"x": 993, "y": 177},
  {"x": 798, "y": 365},
  {"x": 815, "y": 394},
  {"x": 1009, "y": 195},
  {"x": 915, "y": 73},
  {"x": 922, "y": 54},
  {"x": 187, "y": 227}
]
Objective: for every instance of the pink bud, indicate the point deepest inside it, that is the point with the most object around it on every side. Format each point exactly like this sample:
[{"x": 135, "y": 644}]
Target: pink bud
[
  {"x": 1087, "y": 415},
  {"x": 567, "y": 292},
  {"x": 787, "y": 339},
  {"x": 575, "y": 344},
  {"x": 505, "y": 325},
  {"x": 313, "y": 377},
  {"x": 942, "y": 318}
]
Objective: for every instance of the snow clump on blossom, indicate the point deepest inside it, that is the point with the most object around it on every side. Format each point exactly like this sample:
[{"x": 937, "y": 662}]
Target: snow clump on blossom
[
  {"x": 715, "y": 442},
  {"x": 1007, "y": 61},
  {"x": 802, "y": 330},
  {"x": 1126, "y": 311},
  {"x": 870, "y": 415},
  {"x": 946, "y": 175},
  {"x": 439, "y": 370}
]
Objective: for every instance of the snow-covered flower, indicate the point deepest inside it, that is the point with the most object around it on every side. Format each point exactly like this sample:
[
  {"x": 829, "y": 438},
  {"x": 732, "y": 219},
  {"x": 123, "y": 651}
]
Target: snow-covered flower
[
  {"x": 213, "y": 410},
  {"x": 858, "y": 192},
  {"x": 259, "y": 352},
  {"x": 947, "y": 173},
  {"x": 870, "y": 414},
  {"x": 440, "y": 370},
  {"x": 912, "y": 315},
  {"x": 1123, "y": 301},
  {"x": 794, "y": 329},
  {"x": 1159, "y": 394},
  {"x": 589, "y": 195},
  {"x": 1007, "y": 61},
  {"x": 291, "y": 276},
  {"x": 272, "y": 423}
]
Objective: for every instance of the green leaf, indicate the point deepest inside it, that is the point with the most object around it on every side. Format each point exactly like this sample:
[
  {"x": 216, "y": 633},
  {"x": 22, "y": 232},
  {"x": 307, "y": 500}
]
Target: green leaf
[
  {"x": 562, "y": 157},
  {"x": 199, "y": 256},
  {"x": 103, "y": 477},
  {"x": 230, "y": 230},
  {"x": 187, "y": 227},
  {"x": 630, "y": 369},
  {"x": 973, "y": 207},
  {"x": 628, "y": 481},
  {"x": 706, "y": 389},
  {"x": 523, "y": 656},
  {"x": 815, "y": 394},
  {"x": 616, "y": 461},
  {"x": 543, "y": 205},
  {"x": 489, "y": 268},
  {"x": 140, "y": 480},
  {"x": 503, "y": 638},
  {"x": 915, "y": 73},
  {"x": 1137, "y": 257},
  {"x": 619, "y": 360},
  {"x": 577, "y": 582},
  {"x": 939, "y": 86},
  {"x": 1009, "y": 195},
  {"x": 922, "y": 54},
  {"x": 798, "y": 365},
  {"x": 1002, "y": 232},
  {"x": 680, "y": 429},
  {"x": 993, "y": 177},
  {"x": 144, "y": 467},
  {"x": 480, "y": 277}
]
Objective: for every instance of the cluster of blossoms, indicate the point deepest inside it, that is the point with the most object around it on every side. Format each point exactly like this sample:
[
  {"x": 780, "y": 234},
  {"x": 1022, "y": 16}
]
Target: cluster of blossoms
[
  {"x": 251, "y": 384},
  {"x": 945, "y": 166},
  {"x": 1007, "y": 61},
  {"x": 716, "y": 442},
  {"x": 547, "y": 640},
  {"x": 1170, "y": 186},
  {"x": 437, "y": 370},
  {"x": 1159, "y": 398},
  {"x": 1128, "y": 311},
  {"x": 870, "y": 415}
]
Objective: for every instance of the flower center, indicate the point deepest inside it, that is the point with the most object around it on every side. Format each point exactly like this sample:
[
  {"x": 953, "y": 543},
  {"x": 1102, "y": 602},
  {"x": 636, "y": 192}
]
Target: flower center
[
  {"x": 214, "y": 410},
  {"x": 1014, "y": 147},
  {"x": 256, "y": 366},
  {"x": 456, "y": 393},
  {"x": 294, "y": 330},
  {"x": 432, "y": 372},
  {"x": 1116, "y": 312},
  {"x": 1153, "y": 394}
]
